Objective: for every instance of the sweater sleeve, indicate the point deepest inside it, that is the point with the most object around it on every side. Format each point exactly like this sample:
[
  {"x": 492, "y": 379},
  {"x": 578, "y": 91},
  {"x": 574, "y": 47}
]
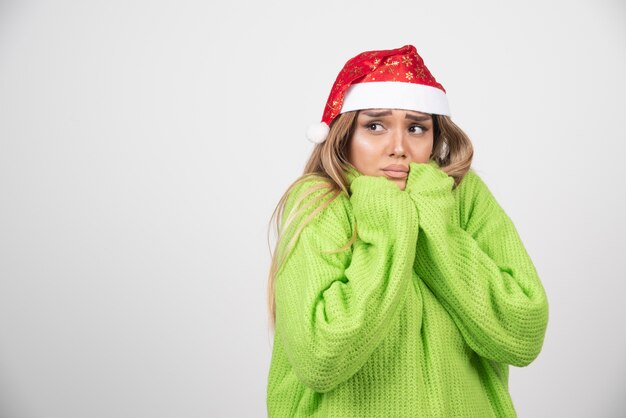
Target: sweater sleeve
[
  {"x": 333, "y": 309},
  {"x": 481, "y": 273}
]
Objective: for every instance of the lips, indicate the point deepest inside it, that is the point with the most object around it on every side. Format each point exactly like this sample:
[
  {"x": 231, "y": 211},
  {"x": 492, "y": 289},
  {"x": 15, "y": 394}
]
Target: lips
[{"x": 396, "y": 171}]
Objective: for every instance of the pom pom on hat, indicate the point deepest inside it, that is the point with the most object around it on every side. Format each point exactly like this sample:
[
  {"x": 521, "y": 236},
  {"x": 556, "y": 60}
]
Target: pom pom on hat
[{"x": 317, "y": 132}]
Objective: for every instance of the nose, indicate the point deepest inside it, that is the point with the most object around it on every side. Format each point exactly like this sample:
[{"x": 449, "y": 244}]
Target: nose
[{"x": 397, "y": 144}]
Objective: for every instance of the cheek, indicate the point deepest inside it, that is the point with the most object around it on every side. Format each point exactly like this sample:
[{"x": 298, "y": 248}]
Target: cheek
[
  {"x": 365, "y": 154},
  {"x": 421, "y": 150}
]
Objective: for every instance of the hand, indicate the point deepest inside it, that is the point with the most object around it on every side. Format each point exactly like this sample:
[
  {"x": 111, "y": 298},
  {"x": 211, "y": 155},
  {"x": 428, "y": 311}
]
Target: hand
[
  {"x": 380, "y": 202},
  {"x": 427, "y": 179}
]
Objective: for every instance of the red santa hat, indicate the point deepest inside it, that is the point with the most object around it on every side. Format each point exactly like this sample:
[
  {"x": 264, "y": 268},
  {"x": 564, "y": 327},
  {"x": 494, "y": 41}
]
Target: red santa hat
[{"x": 391, "y": 79}]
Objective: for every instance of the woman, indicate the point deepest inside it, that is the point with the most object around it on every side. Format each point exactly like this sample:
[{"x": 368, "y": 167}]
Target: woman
[{"x": 399, "y": 287}]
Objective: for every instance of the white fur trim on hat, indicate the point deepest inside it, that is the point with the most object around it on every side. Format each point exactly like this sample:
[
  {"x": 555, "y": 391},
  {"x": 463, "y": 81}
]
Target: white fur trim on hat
[
  {"x": 317, "y": 132},
  {"x": 396, "y": 95}
]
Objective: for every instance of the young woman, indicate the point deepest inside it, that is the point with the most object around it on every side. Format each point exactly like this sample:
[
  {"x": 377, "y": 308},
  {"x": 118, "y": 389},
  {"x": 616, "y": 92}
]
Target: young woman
[{"x": 399, "y": 287}]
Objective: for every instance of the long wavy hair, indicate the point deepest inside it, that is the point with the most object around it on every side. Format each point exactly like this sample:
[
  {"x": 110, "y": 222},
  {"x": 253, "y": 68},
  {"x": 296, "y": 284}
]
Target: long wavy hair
[{"x": 452, "y": 150}]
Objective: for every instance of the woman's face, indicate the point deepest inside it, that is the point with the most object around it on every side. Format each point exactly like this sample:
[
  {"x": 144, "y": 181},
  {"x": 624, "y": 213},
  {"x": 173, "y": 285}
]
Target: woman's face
[{"x": 385, "y": 141}]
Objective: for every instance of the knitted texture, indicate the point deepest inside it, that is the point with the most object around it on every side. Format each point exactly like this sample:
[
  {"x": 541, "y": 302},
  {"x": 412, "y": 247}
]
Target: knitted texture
[{"x": 420, "y": 317}]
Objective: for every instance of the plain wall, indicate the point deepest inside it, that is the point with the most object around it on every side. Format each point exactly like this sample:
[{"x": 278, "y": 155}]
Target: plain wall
[{"x": 144, "y": 146}]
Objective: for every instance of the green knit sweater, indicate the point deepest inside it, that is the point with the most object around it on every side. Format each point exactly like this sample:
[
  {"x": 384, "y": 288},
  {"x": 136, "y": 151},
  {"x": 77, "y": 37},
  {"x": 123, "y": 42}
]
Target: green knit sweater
[{"x": 420, "y": 317}]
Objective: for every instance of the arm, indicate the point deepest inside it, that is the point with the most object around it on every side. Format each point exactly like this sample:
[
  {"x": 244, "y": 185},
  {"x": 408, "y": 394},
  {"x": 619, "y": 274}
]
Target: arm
[
  {"x": 332, "y": 310},
  {"x": 482, "y": 274}
]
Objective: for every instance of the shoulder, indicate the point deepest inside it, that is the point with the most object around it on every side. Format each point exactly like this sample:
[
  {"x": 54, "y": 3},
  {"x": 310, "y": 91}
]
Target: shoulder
[
  {"x": 475, "y": 199},
  {"x": 316, "y": 203},
  {"x": 471, "y": 184},
  {"x": 310, "y": 191}
]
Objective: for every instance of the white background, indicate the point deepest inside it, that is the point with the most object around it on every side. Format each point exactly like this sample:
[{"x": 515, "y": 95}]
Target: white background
[{"x": 145, "y": 144}]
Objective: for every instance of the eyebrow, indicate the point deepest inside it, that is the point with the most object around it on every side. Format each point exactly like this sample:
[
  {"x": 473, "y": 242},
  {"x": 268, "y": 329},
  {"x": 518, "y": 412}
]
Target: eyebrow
[
  {"x": 417, "y": 118},
  {"x": 375, "y": 114}
]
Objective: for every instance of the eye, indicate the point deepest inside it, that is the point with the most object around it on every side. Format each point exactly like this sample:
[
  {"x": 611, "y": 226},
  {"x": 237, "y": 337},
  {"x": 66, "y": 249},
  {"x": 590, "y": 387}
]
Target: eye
[
  {"x": 372, "y": 126},
  {"x": 417, "y": 129}
]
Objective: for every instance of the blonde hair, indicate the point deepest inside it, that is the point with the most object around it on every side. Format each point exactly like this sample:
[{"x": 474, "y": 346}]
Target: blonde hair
[{"x": 452, "y": 150}]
